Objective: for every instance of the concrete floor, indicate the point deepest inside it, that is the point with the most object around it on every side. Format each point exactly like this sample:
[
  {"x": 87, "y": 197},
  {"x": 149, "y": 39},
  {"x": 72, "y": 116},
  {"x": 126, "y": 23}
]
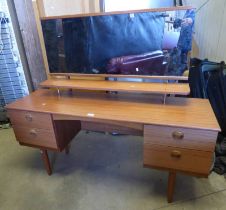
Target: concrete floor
[{"x": 102, "y": 172}]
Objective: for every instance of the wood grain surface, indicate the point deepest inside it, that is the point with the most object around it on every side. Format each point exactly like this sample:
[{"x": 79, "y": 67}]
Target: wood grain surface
[
  {"x": 135, "y": 87},
  {"x": 30, "y": 36},
  {"x": 163, "y": 9},
  {"x": 42, "y": 137},
  {"x": 78, "y": 76},
  {"x": 132, "y": 108},
  {"x": 65, "y": 131},
  {"x": 193, "y": 161},
  {"x": 192, "y": 139},
  {"x": 31, "y": 119}
]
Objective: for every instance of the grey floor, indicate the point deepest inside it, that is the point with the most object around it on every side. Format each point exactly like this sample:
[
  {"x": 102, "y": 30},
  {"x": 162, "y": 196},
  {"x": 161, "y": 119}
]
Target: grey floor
[{"x": 102, "y": 172}]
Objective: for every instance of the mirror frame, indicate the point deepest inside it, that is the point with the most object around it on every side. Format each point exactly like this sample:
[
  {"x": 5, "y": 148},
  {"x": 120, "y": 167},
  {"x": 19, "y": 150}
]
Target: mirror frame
[{"x": 40, "y": 16}]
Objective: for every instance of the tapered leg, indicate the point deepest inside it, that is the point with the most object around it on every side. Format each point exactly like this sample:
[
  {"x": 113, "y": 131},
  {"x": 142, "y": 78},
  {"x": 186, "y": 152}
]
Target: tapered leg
[
  {"x": 46, "y": 161},
  {"x": 67, "y": 149},
  {"x": 171, "y": 186}
]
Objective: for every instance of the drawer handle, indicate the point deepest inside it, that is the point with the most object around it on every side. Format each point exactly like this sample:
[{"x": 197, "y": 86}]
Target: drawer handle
[
  {"x": 33, "y": 132},
  {"x": 28, "y": 117},
  {"x": 178, "y": 135},
  {"x": 176, "y": 154}
]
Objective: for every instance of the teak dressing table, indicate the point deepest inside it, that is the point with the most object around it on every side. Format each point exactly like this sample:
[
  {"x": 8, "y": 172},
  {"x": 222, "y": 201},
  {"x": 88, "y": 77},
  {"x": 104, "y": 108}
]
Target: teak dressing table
[
  {"x": 179, "y": 136},
  {"x": 179, "y": 133}
]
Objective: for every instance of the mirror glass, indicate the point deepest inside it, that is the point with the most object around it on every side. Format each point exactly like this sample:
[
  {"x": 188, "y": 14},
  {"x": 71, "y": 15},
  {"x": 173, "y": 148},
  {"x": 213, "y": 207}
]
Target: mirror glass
[{"x": 139, "y": 43}]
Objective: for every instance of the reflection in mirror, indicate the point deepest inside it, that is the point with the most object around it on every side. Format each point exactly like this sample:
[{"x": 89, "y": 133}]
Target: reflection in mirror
[{"x": 140, "y": 43}]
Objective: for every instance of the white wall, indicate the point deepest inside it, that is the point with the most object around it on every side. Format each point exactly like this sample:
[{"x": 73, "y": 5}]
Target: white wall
[
  {"x": 210, "y": 29},
  {"x": 119, "y": 5},
  {"x": 69, "y": 7},
  {"x": 60, "y": 7}
]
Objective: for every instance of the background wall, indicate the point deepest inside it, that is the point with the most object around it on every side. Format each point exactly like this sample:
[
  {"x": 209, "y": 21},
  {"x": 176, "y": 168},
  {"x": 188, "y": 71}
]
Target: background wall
[
  {"x": 62, "y": 7},
  {"x": 210, "y": 29},
  {"x": 119, "y": 5}
]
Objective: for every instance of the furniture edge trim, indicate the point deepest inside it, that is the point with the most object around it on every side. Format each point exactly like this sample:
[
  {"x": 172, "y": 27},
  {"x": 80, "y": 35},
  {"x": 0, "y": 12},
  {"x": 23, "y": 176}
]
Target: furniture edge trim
[
  {"x": 177, "y": 171},
  {"x": 165, "y": 92},
  {"x": 178, "y": 78},
  {"x": 161, "y": 9},
  {"x": 39, "y": 147},
  {"x": 99, "y": 118}
]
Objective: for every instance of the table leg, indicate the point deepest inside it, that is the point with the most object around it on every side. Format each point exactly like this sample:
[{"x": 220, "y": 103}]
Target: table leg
[
  {"x": 46, "y": 161},
  {"x": 171, "y": 186}
]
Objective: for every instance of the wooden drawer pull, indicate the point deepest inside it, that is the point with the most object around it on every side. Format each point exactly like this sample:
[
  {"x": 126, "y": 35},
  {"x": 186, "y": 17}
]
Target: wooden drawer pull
[
  {"x": 176, "y": 154},
  {"x": 28, "y": 117},
  {"x": 178, "y": 135},
  {"x": 33, "y": 132}
]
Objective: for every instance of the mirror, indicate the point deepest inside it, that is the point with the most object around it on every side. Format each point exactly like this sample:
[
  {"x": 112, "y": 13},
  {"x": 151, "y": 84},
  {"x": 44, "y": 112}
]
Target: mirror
[{"x": 138, "y": 43}]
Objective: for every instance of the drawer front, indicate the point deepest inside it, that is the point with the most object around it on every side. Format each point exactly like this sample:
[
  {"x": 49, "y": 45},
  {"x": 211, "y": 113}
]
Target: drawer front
[
  {"x": 31, "y": 119},
  {"x": 35, "y": 136},
  {"x": 178, "y": 159},
  {"x": 180, "y": 137}
]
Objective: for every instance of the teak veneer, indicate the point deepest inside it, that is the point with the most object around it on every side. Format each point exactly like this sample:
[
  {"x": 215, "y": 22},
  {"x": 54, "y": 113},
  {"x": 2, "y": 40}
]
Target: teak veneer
[
  {"x": 161, "y": 9},
  {"x": 179, "y": 136},
  {"x": 124, "y": 108},
  {"x": 79, "y": 75},
  {"x": 134, "y": 87}
]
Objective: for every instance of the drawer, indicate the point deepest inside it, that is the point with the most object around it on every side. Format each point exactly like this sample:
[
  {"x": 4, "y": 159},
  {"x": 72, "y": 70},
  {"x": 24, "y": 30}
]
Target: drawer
[
  {"x": 31, "y": 119},
  {"x": 180, "y": 137},
  {"x": 35, "y": 137},
  {"x": 178, "y": 159}
]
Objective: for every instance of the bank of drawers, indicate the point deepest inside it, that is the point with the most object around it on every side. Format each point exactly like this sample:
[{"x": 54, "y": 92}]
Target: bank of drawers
[
  {"x": 33, "y": 128},
  {"x": 182, "y": 149}
]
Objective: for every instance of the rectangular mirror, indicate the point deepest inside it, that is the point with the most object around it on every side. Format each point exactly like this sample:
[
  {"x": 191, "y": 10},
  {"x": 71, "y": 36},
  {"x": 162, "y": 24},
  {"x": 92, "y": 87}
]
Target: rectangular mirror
[{"x": 144, "y": 42}]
